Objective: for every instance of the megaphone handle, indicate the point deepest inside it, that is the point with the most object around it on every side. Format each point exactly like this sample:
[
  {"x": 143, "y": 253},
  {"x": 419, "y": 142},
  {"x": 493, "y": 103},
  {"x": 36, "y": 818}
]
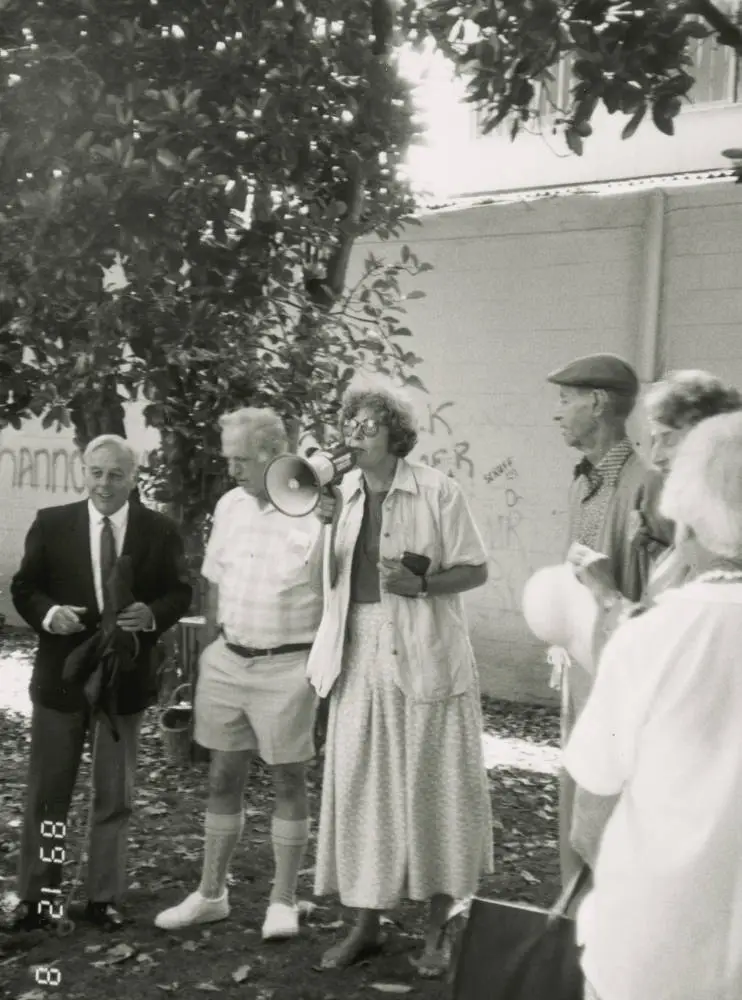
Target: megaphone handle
[{"x": 326, "y": 554}]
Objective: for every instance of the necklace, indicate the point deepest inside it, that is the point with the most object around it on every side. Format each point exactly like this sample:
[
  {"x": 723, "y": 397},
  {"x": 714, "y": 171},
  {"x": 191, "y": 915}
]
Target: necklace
[{"x": 720, "y": 575}]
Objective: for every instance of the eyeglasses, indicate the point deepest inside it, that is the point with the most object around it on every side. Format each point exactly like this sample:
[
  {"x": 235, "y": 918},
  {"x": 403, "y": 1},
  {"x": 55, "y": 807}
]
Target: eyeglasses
[{"x": 369, "y": 427}]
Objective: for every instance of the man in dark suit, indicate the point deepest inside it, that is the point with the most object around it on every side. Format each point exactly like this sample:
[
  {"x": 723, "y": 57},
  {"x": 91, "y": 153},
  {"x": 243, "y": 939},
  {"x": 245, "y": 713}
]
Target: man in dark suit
[{"x": 60, "y": 590}]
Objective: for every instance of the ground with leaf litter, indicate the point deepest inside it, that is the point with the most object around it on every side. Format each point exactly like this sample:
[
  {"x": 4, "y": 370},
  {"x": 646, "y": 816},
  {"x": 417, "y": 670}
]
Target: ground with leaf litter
[{"x": 229, "y": 958}]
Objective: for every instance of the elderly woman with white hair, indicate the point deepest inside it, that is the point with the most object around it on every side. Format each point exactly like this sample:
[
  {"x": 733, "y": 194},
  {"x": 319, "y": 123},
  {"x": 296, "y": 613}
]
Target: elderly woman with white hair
[
  {"x": 405, "y": 805},
  {"x": 661, "y": 729}
]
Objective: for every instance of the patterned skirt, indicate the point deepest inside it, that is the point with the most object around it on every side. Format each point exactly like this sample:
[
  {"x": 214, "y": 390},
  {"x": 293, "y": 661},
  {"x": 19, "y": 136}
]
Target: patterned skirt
[{"x": 405, "y": 803}]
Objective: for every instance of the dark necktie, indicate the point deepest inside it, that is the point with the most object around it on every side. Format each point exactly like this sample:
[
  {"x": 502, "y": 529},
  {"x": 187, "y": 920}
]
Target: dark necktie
[{"x": 107, "y": 558}]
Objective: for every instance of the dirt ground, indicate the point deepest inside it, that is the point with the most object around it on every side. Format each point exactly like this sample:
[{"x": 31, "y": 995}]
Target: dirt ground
[{"x": 229, "y": 958}]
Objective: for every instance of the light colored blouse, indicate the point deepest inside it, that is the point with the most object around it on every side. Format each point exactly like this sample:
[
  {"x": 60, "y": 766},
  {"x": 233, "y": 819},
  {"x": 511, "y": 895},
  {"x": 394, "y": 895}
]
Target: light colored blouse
[
  {"x": 661, "y": 730},
  {"x": 424, "y": 512}
]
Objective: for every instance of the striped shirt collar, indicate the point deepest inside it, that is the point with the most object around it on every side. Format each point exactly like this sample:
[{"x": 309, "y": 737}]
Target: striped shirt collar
[{"x": 609, "y": 467}]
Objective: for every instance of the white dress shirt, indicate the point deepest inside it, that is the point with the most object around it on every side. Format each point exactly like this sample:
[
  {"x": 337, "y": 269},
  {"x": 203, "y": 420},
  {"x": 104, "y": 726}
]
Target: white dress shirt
[{"x": 119, "y": 520}]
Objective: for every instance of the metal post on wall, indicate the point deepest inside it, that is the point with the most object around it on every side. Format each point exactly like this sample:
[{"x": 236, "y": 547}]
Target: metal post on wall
[
  {"x": 650, "y": 316},
  {"x": 651, "y": 300}
]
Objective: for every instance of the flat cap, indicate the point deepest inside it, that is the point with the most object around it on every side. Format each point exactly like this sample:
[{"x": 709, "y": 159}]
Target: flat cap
[{"x": 598, "y": 371}]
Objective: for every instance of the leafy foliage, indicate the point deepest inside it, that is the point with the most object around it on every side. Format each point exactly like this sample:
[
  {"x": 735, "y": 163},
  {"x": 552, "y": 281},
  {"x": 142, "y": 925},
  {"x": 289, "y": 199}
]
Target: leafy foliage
[
  {"x": 633, "y": 58},
  {"x": 224, "y": 154}
]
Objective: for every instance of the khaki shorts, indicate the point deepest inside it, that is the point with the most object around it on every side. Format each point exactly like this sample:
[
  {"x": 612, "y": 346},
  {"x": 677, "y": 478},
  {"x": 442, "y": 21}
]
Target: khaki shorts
[{"x": 264, "y": 704}]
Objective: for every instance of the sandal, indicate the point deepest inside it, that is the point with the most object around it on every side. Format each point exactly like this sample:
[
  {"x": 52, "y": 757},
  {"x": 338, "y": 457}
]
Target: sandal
[{"x": 369, "y": 949}]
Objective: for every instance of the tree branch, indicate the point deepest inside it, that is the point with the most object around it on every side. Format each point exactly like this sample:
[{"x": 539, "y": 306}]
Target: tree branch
[{"x": 727, "y": 31}]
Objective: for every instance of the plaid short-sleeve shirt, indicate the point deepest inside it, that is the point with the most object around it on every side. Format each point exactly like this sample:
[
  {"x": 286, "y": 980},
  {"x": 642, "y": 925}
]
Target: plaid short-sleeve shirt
[
  {"x": 595, "y": 487},
  {"x": 258, "y": 559}
]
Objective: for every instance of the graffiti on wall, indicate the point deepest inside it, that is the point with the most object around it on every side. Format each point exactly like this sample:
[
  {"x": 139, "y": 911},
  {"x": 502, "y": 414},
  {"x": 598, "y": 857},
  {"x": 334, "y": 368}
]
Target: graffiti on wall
[
  {"x": 506, "y": 526},
  {"x": 51, "y": 469},
  {"x": 441, "y": 449},
  {"x": 505, "y": 469},
  {"x": 54, "y": 470}
]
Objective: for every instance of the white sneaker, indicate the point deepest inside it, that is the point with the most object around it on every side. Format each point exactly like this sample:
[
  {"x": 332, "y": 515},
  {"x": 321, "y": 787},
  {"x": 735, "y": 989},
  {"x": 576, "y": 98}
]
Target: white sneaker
[
  {"x": 281, "y": 921},
  {"x": 195, "y": 909}
]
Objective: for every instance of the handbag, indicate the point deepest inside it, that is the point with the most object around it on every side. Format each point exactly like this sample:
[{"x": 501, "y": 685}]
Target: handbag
[{"x": 510, "y": 951}]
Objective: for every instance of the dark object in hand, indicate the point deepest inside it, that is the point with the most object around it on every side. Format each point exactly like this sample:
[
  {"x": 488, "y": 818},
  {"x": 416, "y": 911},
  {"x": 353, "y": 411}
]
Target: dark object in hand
[{"x": 416, "y": 563}]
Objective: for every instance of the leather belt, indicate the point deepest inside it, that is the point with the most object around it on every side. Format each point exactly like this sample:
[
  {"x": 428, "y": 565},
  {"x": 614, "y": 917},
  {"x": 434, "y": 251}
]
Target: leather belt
[{"x": 249, "y": 652}]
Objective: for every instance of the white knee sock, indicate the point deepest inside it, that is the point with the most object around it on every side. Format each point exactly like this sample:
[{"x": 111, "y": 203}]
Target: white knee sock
[
  {"x": 222, "y": 836},
  {"x": 290, "y": 838}
]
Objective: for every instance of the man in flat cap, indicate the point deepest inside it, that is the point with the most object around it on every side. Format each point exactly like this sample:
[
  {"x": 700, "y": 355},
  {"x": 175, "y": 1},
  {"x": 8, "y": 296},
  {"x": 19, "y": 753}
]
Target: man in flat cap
[{"x": 612, "y": 510}]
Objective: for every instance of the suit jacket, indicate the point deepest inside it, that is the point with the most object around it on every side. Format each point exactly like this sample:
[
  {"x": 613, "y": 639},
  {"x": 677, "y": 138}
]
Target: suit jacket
[{"x": 57, "y": 569}]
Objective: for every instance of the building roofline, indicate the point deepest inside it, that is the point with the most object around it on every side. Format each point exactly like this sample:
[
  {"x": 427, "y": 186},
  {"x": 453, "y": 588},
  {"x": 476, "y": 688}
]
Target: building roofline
[{"x": 622, "y": 186}]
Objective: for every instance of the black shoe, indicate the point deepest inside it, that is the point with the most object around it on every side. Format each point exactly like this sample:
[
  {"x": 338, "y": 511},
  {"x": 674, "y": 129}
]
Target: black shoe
[
  {"x": 27, "y": 916},
  {"x": 104, "y": 915}
]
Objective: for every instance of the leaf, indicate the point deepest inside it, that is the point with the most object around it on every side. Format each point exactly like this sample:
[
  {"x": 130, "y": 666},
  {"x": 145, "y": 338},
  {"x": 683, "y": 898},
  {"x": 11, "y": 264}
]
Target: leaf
[
  {"x": 414, "y": 382},
  {"x": 84, "y": 141},
  {"x": 241, "y": 974},
  {"x": 208, "y": 987},
  {"x": 663, "y": 113},
  {"x": 391, "y": 987},
  {"x": 415, "y": 294},
  {"x": 636, "y": 119},
  {"x": 168, "y": 159},
  {"x": 171, "y": 100},
  {"x": 574, "y": 141},
  {"x": 120, "y": 953}
]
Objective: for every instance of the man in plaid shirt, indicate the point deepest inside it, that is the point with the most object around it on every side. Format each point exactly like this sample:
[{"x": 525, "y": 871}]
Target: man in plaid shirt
[{"x": 253, "y": 696}]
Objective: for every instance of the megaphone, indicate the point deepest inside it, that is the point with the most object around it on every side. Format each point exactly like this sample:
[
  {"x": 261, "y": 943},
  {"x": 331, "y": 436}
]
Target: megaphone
[{"x": 294, "y": 484}]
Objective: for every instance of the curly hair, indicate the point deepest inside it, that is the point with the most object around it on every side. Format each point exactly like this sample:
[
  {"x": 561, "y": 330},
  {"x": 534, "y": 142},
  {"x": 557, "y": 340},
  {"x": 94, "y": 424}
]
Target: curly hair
[
  {"x": 685, "y": 398},
  {"x": 390, "y": 406},
  {"x": 703, "y": 490}
]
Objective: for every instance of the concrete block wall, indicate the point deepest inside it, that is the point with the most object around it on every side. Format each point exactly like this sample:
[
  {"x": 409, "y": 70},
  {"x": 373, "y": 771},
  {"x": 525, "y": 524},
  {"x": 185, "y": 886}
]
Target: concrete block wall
[{"x": 701, "y": 316}]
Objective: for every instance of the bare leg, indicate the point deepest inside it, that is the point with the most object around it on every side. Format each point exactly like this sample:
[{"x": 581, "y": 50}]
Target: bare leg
[
  {"x": 436, "y": 955},
  {"x": 364, "y": 939}
]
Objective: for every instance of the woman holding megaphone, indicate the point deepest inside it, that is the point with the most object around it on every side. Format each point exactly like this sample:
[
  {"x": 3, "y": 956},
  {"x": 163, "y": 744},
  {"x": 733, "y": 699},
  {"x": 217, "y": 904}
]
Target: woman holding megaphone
[{"x": 405, "y": 805}]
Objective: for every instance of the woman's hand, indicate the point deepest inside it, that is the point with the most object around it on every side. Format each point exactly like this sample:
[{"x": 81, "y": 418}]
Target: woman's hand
[
  {"x": 593, "y": 570},
  {"x": 397, "y": 579},
  {"x": 330, "y": 504}
]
